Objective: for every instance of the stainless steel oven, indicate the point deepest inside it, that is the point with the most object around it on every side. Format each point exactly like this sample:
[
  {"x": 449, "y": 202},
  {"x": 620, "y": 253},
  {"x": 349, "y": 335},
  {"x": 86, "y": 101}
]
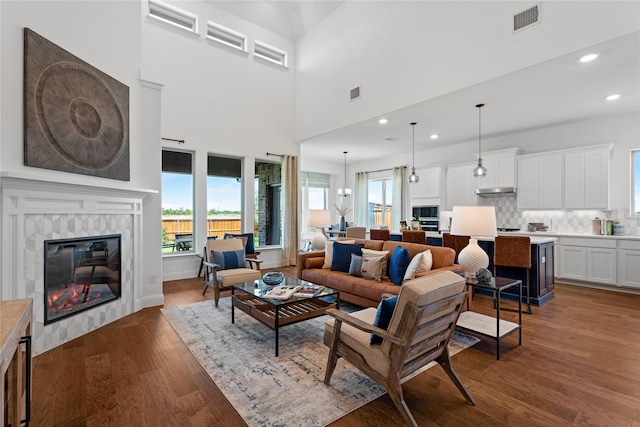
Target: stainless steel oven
[{"x": 428, "y": 217}]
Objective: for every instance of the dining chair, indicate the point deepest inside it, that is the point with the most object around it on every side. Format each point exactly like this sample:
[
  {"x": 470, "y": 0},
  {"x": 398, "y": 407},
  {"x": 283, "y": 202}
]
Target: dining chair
[{"x": 357, "y": 232}]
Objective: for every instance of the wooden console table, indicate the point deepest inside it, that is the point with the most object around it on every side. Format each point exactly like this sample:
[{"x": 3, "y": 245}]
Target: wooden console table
[{"x": 15, "y": 362}]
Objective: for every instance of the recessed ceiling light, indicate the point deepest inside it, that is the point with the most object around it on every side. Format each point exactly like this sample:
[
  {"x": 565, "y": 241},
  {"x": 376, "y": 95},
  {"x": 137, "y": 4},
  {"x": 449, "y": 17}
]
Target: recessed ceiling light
[
  {"x": 383, "y": 121},
  {"x": 613, "y": 97},
  {"x": 434, "y": 136},
  {"x": 588, "y": 58}
]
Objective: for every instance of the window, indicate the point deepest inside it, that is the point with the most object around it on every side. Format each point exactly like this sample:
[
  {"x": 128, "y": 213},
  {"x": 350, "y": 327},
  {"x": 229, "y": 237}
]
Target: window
[
  {"x": 315, "y": 193},
  {"x": 380, "y": 197},
  {"x": 172, "y": 15},
  {"x": 270, "y": 53},
  {"x": 177, "y": 201},
  {"x": 268, "y": 203},
  {"x": 226, "y": 36},
  {"x": 224, "y": 196},
  {"x": 635, "y": 182}
]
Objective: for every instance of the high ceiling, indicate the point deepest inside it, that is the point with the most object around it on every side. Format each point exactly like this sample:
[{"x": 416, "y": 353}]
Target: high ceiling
[{"x": 558, "y": 91}]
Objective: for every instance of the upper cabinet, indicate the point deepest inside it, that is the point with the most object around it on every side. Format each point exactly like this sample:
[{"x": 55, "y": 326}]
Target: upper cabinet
[
  {"x": 568, "y": 179},
  {"x": 501, "y": 169},
  {"x": 586, "y": 179},
  {"x": 429, "y": 185},
  {"x": 461, "y": 185},
  {"x": 539, "y": 182}
]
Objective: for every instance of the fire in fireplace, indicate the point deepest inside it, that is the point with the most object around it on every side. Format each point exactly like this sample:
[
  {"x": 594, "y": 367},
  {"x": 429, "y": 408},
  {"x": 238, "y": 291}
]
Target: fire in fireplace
[{"x": 80, "y": 273}]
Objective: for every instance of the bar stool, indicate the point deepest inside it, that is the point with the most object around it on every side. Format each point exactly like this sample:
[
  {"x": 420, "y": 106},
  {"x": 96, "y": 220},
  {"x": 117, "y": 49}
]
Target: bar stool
[
  {"x": 414, "y": 236},
  {"x": 514, "y": 251},
  {"x": 457, "y": 243},
  {"x": 379, "y": 234}
]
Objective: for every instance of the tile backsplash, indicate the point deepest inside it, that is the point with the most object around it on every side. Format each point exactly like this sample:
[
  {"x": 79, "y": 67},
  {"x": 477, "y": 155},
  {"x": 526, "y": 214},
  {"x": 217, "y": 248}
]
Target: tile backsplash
[{"x": 560, "y": 221}]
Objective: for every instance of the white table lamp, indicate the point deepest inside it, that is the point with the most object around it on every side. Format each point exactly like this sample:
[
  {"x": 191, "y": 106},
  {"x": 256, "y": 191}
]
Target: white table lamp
[
  {"x": 319, "y": 219},
  {"x": 473, "y": 221}
]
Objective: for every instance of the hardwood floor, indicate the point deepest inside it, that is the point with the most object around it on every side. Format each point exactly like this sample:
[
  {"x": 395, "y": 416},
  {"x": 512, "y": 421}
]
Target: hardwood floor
[{"x": 579, "y": 365}]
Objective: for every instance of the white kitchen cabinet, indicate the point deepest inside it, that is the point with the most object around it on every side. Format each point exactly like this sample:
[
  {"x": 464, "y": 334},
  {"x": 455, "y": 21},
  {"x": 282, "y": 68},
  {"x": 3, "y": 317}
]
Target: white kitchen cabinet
[
  {"x": 501, "y": 169},
  {"x": 628, "y": 257},
  {"x": 461, "y": 185},
  {"x": 588, "y": 259},
  {"x": 429, "y": 184},
  {"x": 540, "y": 182},
  {"x": 587, "y": 178}
]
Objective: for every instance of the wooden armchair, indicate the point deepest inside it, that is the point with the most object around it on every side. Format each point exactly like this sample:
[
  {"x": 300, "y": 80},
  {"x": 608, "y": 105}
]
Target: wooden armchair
[
  {"x": 423, "y": 321},
  {"x": 226, "y": 264}
]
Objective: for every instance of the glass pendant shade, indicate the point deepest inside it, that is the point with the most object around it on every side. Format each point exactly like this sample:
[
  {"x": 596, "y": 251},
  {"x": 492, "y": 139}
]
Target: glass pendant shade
[
  {"x": 413, "y": 178},
  {"x": 479, "y": 171}
]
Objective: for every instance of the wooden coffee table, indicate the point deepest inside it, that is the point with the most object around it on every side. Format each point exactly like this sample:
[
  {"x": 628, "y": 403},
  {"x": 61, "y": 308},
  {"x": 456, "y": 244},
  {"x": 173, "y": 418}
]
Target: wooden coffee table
[{"x": 277, "y": 313}]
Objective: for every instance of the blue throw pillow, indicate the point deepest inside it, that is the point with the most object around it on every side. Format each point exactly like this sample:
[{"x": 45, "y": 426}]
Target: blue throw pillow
[
  {"x": 383, "y": 316},
  {"x": 400, "y": 259},
  {"x": 355, "y": 268},
  {"x": 229, "y": 260},
  {"x": 342, "y": 255}
]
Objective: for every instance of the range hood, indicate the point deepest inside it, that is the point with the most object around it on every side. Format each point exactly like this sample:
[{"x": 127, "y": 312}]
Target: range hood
[{"x": 496, "y": 192}]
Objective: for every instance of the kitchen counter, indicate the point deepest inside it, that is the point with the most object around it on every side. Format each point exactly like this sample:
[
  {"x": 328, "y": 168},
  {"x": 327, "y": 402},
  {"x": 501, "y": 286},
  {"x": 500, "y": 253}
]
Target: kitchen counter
[{"x": 560, "y": 234}]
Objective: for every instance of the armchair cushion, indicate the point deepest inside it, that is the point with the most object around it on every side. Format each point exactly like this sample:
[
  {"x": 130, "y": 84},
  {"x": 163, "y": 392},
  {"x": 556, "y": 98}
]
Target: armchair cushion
[
  {"x": 360, "y": 340},
  {"x": 228, "y": 259},
  {"x": 398, "y": 264},
  {"x": 342, "y": 255},
  {"x": 383, "y": 316}
]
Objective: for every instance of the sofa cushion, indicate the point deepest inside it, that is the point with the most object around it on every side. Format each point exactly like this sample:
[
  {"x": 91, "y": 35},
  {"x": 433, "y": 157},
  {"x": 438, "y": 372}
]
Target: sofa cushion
[
  {"x": 383, "y": 316},
  {"x": 328, "y": 251},
  {"x": 355, "y": 268},
  {"x": 373, "y": 253},
  {"x": 426, "y": 262},
  {"x": 398, "y": 264},
  {"x": 372, "y": 267},
  {"x": 342, "y": 255},
  {"x": 410, "y": 273}
]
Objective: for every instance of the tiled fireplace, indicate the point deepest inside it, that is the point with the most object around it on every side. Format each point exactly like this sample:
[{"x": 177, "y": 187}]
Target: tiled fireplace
[{"x": 37, "y": 211}]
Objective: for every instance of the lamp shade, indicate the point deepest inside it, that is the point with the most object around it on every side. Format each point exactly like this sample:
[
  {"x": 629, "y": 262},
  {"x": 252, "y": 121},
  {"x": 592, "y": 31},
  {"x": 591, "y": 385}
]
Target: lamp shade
[
  {"x": 319, "y": 218},
  {"x": 473, "y": 221}
]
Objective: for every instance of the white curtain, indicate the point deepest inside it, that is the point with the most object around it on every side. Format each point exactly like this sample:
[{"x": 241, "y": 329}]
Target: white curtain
[
  {"x": 290, "y": 210},
  {"x": 361, "y": 202},
  {"x": 397, "y": 204}
]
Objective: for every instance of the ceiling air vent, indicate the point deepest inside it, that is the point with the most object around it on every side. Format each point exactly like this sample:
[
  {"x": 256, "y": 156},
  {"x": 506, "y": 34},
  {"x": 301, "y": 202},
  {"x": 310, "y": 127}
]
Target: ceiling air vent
[
  {"x": 355, "y": 93},
  {"x": 525, "y": 18},
  {"x": 391, "y": 139}
]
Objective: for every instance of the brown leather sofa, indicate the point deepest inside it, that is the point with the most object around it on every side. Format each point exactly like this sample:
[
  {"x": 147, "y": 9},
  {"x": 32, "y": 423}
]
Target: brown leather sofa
[{"x": 366, "y": 292}]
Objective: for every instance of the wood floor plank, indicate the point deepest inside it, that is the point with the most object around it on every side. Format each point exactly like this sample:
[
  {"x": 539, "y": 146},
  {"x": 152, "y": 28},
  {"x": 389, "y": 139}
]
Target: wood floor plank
[{"x": 579, "y": 365}]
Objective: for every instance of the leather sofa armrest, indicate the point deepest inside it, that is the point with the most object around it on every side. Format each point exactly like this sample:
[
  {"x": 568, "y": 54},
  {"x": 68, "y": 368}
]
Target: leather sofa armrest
[{"x": 313, "y": 259}]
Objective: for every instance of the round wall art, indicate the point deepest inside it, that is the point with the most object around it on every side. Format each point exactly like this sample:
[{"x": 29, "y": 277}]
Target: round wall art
[{"x": 76, "y": 117}]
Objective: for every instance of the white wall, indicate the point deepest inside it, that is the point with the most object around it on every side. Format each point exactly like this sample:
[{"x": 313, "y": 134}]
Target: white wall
[
  {"x": 219, "y": 101},
  {"x": 402, "y": 53}
]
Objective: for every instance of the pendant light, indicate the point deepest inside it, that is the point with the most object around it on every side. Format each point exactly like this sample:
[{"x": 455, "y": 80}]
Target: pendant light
[
  {"x": 479, "y": 171},
  {"x": 344, "y": 192},
  {"x": 413, "y": 178}
]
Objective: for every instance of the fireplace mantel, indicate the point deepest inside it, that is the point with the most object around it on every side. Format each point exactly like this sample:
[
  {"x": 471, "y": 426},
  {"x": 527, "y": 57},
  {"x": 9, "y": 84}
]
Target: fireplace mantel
[{"x": 26, "y": 181}]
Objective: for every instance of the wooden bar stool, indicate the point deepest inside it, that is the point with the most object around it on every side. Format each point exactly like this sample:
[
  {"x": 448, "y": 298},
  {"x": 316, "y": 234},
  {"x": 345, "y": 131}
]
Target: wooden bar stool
[
  {"x": 414, "y": 236},
  {"x": 379, "y": 234},
  {"x": 457, "y": 243},
  {"x": 514, "y": 251}
]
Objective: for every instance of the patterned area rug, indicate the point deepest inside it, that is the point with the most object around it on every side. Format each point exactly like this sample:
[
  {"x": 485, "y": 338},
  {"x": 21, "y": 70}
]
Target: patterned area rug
[{"x": 268, "y": 390}]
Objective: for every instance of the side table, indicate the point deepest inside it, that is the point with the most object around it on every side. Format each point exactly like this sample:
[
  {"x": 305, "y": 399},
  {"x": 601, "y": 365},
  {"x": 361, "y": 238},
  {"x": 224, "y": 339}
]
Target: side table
[{"x": 489, "y": 326}]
